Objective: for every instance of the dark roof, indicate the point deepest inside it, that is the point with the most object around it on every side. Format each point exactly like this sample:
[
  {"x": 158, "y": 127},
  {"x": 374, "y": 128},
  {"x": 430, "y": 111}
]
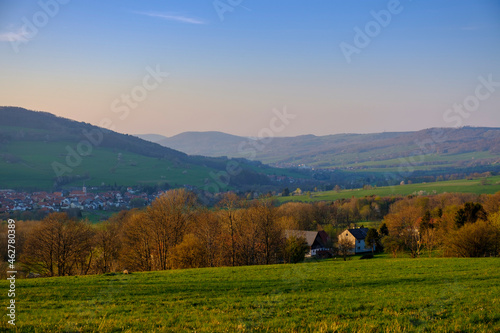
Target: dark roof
[
  {"x": 324, "y": 236},
  {"x": 358, "y": 233},
  {"x": 309, "y": 236}
]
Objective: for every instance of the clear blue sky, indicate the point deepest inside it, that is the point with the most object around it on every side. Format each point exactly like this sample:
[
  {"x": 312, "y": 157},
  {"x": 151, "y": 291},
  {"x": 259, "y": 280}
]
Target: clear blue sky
[{"x": 229, "y": 74}]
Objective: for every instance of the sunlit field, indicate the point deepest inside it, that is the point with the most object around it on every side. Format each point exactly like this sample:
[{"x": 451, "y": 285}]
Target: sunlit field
[{"x": 376, "y": 295}]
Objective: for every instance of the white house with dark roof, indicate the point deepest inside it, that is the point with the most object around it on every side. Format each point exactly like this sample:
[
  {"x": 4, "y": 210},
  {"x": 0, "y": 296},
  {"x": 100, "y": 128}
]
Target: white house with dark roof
[{"x": 357, "y": 238}]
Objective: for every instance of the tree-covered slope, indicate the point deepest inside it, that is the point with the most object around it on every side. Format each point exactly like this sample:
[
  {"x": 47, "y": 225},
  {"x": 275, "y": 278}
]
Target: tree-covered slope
[
  {"x": 39, "y": 150},
  {"x": 435, "y": 148}
]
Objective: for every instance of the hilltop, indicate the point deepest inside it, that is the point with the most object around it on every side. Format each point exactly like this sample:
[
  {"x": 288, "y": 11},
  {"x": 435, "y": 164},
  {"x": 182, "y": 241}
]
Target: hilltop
[
  {"x": 435, "y": 148},
  {"x": 39, "y": 150},
  {"x": 214, "y": 144}
]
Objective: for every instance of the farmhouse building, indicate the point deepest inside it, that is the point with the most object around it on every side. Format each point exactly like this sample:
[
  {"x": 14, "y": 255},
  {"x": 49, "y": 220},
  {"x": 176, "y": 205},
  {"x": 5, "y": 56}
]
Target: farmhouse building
[
  {"x": 357, "y": 238},
  {"x": 318, "y": 241}
]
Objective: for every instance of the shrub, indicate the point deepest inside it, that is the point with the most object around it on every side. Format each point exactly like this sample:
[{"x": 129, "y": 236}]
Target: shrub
[
  {"x": 472, "y": 240},
  {"x": 296, "y": 249}
]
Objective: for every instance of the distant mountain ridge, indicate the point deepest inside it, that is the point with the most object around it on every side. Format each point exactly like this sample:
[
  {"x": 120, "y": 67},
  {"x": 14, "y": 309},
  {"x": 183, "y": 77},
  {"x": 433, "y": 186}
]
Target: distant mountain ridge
[
  {"x": 39, "y": 150},
  {"x": 211, "y": 143},
  {"x": 346, "y": 150}
]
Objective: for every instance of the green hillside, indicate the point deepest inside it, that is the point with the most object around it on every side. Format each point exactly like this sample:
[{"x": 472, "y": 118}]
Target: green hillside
[
  {"x": 33, "y": 167},
  {"x": 378, "y": 295},
  {"x": 35, "y": 148},
  {"x": 478, "y": 186},
  {"x": 39, "y": 151}
]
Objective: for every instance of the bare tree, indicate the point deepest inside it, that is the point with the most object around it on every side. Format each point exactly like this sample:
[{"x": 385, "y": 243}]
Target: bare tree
[
  {"x": 58, "y": 246},
  {"x": 404, "y": 224},
  {"x": 246, "y": 239},
  {"x": 429, "y": 240},
  {"x": 270, "y": 235},
  {"x": 39, "y": 253},
  {"x": 345, "y": 246},
  {"x": 107, "y": 241},
  {"x": 168, "y": 218},
  {"x": 208, "y": 230},
  {"x": 228, "y": 206},
  {"x": 137, "y": 248},
  {"x": 187, "y": 254}
]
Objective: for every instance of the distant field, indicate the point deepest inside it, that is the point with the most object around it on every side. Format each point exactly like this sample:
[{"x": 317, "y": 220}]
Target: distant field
[
  {"x": 452, "y": 186},
  {"x": 378, "y": 295},
  {"x": 422, "y": 162},
  {"x": 368, "y": 224}
]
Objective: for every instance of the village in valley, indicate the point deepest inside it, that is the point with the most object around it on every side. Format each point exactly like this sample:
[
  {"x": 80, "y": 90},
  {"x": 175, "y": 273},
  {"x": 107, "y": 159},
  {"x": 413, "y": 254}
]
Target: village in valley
[{"x": 48, "y": 202}]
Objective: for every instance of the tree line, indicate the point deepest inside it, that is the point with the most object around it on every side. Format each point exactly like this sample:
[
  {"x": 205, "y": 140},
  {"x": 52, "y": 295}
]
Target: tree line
[
  {"x": 464, "y": 225},
  {"x": 175, "y": 231}
]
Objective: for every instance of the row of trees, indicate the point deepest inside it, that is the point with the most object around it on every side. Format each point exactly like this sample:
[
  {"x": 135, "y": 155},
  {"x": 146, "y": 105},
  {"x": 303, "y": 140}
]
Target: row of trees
[
  {"x": 458, "y": 225},
  {"x": 176, "y": 232}
]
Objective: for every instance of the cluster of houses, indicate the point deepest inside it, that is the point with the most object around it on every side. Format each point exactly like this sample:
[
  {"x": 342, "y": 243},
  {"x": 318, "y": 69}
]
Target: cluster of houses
[
  {"x": 320, "y": 244},
  {"x": 11, "y": 201}
]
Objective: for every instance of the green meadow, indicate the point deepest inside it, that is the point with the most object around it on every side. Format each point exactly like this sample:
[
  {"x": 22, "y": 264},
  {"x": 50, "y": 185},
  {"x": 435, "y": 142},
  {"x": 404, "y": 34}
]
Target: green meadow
[
  {"x": 29, "y": 165},
  {"x": 451, "y": 186},
  {"x": 33, "y": 167},
  {"x": 376, "y": 295}
]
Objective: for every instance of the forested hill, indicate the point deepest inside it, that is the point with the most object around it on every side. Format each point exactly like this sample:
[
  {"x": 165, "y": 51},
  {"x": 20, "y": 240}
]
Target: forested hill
[
  {"x": 39, "y": 150},
  {"x": 18, "y": 124},
  {"x": 201, "y": 143},
  {"x": 440, "y": 145}
]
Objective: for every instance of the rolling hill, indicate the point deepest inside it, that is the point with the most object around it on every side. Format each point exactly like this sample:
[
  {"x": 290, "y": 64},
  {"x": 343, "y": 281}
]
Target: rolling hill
[
  {"x": 213, "y": 144},
  {"x": 41, "y": 151},
  {"x": 438, "y": 149},
  {"x": 488, "y": 185}
]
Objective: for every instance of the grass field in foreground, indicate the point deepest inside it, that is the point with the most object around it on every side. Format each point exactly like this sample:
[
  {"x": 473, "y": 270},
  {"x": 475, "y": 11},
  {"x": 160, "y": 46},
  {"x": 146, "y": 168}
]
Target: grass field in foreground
[
  {"x": 450, "y": 186},
  {"x": 377, "y": 295}
]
